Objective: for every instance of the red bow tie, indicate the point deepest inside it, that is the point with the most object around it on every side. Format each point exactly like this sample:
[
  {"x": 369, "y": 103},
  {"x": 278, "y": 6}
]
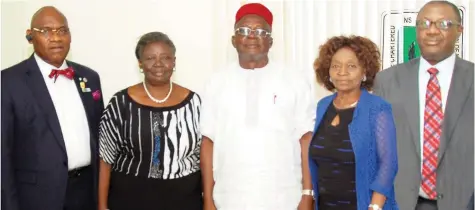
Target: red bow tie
[{"x": 68, "y": 73}]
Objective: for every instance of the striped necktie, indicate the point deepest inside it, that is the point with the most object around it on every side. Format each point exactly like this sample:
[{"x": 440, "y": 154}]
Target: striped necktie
[{"x": 433, "y": 117}]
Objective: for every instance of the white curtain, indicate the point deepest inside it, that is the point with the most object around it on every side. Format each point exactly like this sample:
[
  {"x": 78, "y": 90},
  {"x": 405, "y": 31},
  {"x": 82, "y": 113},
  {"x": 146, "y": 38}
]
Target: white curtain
[
  {"x": 301, "y": 26},
  {"x": 105, "y": 32}
]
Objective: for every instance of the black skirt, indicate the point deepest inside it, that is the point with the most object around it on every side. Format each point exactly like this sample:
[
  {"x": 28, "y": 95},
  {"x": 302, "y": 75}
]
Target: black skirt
[{"x": 128, "y": 192}]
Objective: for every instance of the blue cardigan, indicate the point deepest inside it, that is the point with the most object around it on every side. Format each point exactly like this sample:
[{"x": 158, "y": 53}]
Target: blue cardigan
[{"x": 373, "y": 137}]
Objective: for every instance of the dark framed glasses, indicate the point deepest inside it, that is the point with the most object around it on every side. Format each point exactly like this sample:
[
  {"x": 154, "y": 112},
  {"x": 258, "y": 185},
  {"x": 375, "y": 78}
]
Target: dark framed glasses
[{"x": 440, "y": 24}]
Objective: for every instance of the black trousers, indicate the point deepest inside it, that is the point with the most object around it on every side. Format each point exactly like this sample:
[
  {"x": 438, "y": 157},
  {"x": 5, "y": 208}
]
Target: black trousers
[
  {"x": 426, "y": 204},
  {"x": 79, "y": 193}
]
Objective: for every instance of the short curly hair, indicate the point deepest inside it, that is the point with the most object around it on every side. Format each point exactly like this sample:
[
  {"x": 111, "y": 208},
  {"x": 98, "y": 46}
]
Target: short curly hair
[{"x": 366, "y": 51}]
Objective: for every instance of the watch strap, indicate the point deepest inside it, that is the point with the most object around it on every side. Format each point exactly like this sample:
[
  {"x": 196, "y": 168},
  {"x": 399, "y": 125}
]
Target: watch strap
[
  {"x": 307, "y": 192},
  {"x": 375, "y": 207}
]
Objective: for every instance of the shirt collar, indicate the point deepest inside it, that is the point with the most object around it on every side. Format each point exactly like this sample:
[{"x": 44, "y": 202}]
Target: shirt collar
[
  {"x": 447, "y": 65},
  {"x": 46, "y": 68}
]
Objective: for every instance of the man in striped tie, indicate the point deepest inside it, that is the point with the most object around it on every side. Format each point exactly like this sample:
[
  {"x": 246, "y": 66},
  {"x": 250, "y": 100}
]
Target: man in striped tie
[{"x": 432, "y": 100}]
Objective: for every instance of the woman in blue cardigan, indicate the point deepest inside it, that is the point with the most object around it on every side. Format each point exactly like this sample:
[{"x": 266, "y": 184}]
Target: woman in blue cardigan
[{"x": 353, "y": 155}]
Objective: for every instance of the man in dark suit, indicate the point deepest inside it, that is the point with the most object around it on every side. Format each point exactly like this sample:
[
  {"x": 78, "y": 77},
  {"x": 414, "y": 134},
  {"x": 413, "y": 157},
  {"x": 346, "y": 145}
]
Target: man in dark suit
[
  {"x": 50, "y": 116},
  {"x": 432, "y": 98}
]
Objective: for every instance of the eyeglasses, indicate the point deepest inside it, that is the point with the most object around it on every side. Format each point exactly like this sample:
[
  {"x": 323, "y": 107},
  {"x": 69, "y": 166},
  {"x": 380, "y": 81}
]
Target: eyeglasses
[
  {"x": 245, "y": 31},
  {"x": 47, "y": 32},
  {"x": 440, "y": 24}
]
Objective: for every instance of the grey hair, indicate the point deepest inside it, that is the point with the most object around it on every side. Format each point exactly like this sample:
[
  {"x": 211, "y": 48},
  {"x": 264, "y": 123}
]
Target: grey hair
[{"x": 151, "y": 38}]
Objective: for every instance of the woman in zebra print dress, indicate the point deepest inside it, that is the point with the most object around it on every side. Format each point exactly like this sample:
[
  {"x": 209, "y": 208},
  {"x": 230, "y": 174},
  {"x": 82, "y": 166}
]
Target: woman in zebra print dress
[{"x": 150, "y": 139}]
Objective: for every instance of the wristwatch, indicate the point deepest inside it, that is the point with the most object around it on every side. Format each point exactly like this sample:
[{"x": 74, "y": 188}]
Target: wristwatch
[
  {"x": 375, "y": 207},
  {"x": 307, "y": 192}
]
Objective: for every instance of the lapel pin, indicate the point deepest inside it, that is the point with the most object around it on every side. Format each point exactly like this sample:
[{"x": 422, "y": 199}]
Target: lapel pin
[{"x": 84, "y": 79}]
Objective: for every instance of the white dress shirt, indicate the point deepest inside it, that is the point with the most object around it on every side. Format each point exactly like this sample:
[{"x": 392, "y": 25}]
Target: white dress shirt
[
  {"x": 71, "y": 115},
  {"x": 446, "y": 69},
  {"x": 255, "y": 119}
]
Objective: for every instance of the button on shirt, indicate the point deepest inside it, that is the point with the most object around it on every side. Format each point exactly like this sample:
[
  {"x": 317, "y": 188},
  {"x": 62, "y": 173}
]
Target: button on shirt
[
  {"x": 255, "y": 119},
  {"x": 446, "y": 69},
  {"x": 71, "y": 115}
]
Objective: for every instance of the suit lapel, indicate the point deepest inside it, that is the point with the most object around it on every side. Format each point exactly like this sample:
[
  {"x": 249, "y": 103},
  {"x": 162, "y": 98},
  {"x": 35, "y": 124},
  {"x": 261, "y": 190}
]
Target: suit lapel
[
  {"x": 410, "y": 85},
  {"x": 37, "y": 85},
  {"x": 459, "y": 89},
  {"x": 86, "y": 97}
]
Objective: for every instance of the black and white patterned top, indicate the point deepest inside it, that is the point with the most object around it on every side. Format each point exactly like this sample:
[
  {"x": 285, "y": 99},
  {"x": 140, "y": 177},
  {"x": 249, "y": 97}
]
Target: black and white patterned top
[{"x": 151, "y": 142}]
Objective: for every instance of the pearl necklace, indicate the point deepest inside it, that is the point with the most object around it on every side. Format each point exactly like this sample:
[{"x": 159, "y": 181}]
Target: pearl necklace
[
  {"x": 353, "y": 104},
  {"x": 156, "y": 100},
  {"x": 349, "y": 106}
]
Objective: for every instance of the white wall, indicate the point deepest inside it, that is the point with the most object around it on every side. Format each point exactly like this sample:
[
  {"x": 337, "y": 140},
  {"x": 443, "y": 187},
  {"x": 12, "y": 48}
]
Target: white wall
[{"x": 105, "y": 32}]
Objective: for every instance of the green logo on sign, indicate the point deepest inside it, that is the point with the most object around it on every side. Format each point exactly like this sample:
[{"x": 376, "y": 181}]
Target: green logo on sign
[{"x": 408, "y": 47}]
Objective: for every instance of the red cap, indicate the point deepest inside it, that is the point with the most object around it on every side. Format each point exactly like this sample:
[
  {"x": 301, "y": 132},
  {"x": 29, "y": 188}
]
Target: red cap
[{"x": 255, "y": 9}]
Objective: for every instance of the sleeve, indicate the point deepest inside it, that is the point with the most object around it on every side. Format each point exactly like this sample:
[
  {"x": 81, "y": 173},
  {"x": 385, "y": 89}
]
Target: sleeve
[
  {"x": 109, "y": 132},
  {"x": 385, "y": 134},
  {"x": 378, "y": 86},
  {"x": 208, "y": 111},
  {"x": 9, "y": 190},
  {"x": 470, "y": 203},
  {"x": 305, "y": 107}
]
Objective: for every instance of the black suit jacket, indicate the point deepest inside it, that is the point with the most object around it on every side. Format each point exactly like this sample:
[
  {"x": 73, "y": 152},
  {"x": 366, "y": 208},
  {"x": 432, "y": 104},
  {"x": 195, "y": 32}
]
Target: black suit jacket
[{"x": 34, "y": 160}]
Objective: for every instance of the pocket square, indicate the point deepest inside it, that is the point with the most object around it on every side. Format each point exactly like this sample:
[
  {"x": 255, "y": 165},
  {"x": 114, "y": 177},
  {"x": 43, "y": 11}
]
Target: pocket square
[{"x": 96, "y": 95}]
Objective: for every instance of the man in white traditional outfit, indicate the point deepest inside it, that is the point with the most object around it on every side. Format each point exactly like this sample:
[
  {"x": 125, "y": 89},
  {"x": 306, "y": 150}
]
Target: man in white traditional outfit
[{"x": 257, "y": 121}]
